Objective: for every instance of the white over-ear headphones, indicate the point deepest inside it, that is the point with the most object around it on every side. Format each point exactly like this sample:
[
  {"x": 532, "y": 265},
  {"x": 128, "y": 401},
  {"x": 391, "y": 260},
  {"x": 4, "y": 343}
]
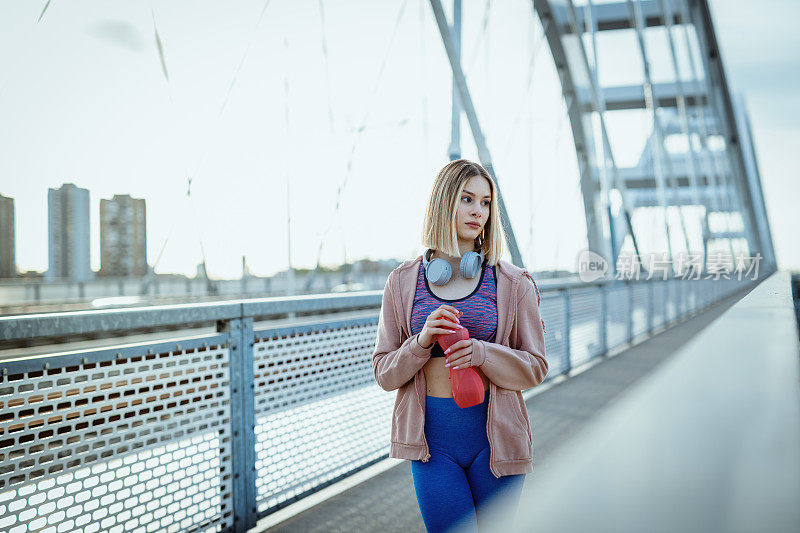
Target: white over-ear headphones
[{"x": 438, "y": 270}]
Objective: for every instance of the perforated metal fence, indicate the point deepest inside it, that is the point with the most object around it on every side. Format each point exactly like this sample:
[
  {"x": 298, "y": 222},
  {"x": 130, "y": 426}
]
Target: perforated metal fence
[
  {"x": 215, "y": 431},
  {"x": 319, "y": 414},
  {"x": 135, "y": 438}
]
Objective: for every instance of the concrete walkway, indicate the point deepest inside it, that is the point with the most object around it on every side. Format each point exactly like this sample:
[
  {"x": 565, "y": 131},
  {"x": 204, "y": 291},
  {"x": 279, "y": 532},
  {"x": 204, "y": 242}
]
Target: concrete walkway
[{"x": 387, "y": 502}]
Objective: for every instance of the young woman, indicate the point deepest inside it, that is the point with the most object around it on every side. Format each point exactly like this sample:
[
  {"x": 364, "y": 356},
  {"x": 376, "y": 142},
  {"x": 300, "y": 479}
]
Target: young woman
[{"x": 463, "y": 460}]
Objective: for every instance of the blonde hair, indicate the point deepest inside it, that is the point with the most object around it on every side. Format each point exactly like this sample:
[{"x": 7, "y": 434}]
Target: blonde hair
[{"x": 439, "y": 231}]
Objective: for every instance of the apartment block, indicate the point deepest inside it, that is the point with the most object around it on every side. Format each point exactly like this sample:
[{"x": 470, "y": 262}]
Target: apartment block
[
  {"x": 123, "y": 236},
  {"x": 8, "y": 262},
  {"x": 68, "y": 233}
]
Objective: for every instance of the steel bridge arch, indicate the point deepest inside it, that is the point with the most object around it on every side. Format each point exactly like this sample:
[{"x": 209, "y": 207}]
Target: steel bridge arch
[
  {"x": 564, "y": 24},
  {"x": 727, "y": 183}
]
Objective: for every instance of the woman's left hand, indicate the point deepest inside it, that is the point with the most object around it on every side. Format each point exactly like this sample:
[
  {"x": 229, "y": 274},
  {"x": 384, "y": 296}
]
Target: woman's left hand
[{"x": 459, "y": 354}]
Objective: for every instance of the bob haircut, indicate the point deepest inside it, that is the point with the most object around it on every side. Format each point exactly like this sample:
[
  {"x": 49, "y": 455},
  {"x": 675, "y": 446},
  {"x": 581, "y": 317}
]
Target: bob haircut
[{"x": 438, "y": 231}]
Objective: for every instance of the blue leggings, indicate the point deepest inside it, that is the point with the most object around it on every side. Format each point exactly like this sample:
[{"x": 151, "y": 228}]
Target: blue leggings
[{"x": 455, "y": 485}]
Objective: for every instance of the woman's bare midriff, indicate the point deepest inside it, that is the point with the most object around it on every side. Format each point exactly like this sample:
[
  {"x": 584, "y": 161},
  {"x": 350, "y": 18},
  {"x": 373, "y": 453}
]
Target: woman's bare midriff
[{"x": 437, "y": 376}]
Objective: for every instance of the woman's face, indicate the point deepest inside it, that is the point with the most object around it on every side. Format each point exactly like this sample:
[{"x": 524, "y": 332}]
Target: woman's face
[{"x": 474, "y": 207}]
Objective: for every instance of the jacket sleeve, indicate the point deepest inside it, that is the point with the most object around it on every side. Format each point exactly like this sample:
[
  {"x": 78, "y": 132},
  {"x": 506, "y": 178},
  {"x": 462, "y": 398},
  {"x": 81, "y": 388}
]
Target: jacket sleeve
[
  {"x": 523, "y": 366},
  {"x": 394, "y": 361}
]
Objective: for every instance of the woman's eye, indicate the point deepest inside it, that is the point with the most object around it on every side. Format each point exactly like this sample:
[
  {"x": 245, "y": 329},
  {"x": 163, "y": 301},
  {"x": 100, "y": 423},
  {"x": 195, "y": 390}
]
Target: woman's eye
[{"x": 485, "y": 202}]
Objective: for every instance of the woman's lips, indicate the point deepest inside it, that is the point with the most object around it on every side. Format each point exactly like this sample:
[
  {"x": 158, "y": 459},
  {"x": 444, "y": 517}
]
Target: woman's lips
[{"x": 474, "y": 225}]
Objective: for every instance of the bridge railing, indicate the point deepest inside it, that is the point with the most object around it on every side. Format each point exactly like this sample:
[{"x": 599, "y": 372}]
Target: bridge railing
[{"x": 220, "y": 428}]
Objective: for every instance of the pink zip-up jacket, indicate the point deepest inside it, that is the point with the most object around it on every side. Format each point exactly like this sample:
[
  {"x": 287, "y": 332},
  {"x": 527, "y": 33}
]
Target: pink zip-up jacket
[{"x": 513, "y": 364}]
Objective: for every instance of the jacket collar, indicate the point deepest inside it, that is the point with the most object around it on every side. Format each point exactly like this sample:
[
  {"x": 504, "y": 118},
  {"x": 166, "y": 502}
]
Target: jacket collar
[{"x": 508, "y": 277}]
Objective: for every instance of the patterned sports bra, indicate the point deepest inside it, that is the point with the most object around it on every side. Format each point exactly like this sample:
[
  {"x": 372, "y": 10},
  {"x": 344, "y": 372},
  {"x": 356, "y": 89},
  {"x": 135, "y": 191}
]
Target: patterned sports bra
[{"x": 478, "y": 309}]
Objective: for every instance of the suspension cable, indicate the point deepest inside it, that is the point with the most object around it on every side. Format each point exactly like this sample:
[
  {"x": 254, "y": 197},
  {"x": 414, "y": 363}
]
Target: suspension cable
[
  {"x": 327, "y": 63},
  {"x": 361, "y": 128}
]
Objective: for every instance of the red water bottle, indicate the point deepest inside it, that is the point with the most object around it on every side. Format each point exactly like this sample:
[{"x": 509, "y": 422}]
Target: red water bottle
[{"x": 465, "y": 383}]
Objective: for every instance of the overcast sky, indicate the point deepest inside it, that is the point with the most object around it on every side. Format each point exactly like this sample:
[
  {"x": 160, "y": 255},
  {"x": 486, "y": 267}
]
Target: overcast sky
[{"x": 253, "y": 104}]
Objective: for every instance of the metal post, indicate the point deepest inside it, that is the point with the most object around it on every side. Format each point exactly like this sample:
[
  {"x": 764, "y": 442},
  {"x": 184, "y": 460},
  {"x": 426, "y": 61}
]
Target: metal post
[
  {"x": 682, "y": 299},
  {"x": 650, "y": 306},
  {"x": 629, "y": 286},
  {"x": 242, "y": 421},
  {"x": 567, "y": 327},
  {"x": 604, "y": 319},
  {"x": 455, "y": 126}
]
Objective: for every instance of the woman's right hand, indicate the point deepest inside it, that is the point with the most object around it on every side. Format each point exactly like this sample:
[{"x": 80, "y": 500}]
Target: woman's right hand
[{"x": 436, "y": 324}]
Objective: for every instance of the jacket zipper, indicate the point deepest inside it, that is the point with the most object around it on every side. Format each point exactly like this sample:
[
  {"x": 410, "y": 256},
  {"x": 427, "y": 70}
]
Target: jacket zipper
[
  {"x": 419, "y": 401},
  {"x": 489, "y": 430},
  {"x": 491, "y": 396},
  {"x": 397, "y": 296}
]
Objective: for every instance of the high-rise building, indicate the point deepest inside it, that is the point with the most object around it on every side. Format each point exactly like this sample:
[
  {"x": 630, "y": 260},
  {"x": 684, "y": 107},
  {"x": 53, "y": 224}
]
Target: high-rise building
[
  {"x": 123, "y": 236},
  {"x": 68, "y": 233},
  {"x": 8, "y": 263}
]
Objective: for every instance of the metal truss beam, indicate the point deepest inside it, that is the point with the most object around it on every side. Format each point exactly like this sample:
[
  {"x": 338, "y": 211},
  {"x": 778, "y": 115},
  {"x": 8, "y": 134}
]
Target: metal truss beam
[
  {"x": 472, "y": 118},
  {"x": 614, "y": 16},
  {"x": 665, "y": 94},
  {"x": 577, "y": 75},
  {"x": 721, "y": 99},
  {"x": 756, "y": 192},
  {"x": 727, "y": 235},
  {"x": 647, "y": 196}
]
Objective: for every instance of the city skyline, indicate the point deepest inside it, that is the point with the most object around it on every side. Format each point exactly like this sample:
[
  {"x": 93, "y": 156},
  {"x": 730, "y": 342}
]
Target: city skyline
[{"x": 122, "y": 237}]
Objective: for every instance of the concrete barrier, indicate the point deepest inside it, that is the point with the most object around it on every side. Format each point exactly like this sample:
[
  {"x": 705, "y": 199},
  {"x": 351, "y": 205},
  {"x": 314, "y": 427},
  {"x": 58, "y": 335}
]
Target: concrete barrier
[{"x": 709, "y": 442}]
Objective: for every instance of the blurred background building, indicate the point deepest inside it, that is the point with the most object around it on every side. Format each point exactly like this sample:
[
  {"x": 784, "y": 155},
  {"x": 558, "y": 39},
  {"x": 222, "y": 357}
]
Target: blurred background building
[
  {"x": 68, "y": 233},
  {"x": 8, "y": 265},
  {"x": 123, "y": 236}
]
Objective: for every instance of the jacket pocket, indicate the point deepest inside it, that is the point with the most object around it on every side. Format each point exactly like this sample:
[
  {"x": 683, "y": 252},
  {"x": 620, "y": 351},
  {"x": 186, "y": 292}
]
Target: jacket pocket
[
  {"x": 401, "y": 402},
  {"x": 511, "y": 434},
  {"x": 407, "y": 419}
]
